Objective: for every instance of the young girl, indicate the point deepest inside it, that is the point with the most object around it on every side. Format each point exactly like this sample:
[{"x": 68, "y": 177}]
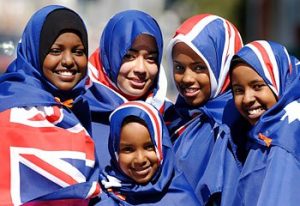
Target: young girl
[
  {"x": 200, "y": 54},
  {"x": 265, "y": 85},
  {"x": 125, "y": 67},
  {"x": 142, "y": 170},
  {"x": 46, "y": 153}
]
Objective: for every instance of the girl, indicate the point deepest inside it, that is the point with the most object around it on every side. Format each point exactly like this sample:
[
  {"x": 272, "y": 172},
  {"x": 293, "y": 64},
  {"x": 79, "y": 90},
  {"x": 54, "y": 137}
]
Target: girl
[
  {"x": 125, "y": 67},
  {"x": 46, "y": 153},
  {"x": 265, "y": 85},
  {"x": 200, "y": 54},
  {"x": 142, "y": 170}
]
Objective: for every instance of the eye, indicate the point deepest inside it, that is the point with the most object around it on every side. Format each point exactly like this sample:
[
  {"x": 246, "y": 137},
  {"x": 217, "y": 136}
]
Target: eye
[
  {"x": 150, "y": 147},
  {"x": 152, "y": 58},
  {"x": 126, "y": 149},
  {"x": 79, "y": 52},
  {"x": 237, "y": 90},
  {"x": 128, "y": 57},
  {"x": 200, "y": 68},
  {"x": 177, "y": 68},
  {"x": 258, "y": 86},
  {"x": 55, "y": 51}
]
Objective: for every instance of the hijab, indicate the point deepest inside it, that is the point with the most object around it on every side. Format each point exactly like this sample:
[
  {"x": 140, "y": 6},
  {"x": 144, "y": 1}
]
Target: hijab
[{"x": 104, "y": 64}]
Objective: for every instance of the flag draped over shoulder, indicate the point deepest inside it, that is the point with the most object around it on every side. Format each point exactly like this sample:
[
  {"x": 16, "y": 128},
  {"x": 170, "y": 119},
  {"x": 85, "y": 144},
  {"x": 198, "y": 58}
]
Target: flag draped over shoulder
[
  {"x": 271, "y": 173},
  {"x": 46, "y": 154}
]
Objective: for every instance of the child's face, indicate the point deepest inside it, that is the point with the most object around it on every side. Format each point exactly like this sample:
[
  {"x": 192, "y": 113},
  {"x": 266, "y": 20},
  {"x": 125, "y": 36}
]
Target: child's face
[
  {"x": 191, "y": 75},
  {"x": 252, "y": 96},
  {"x": 66, "y": 63},
  {"x": 137, "y": 156},
  {"x": 139, "y": 67}
]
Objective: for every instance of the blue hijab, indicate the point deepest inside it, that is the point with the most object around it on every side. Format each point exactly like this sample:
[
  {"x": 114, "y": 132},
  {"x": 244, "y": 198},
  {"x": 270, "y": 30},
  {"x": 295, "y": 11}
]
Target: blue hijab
[
  {"x": 24, "y": 83},
  {"x": 273, "y": 142},
  {"x": 104, "y": 64},
  {"x": 167, "y": 187}
]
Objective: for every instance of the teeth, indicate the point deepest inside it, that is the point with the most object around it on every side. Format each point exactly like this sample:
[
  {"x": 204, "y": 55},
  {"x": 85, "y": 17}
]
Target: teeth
[
  {"x": 65, "y": 73},
  {"x": 255, "y": 111},
  {"x": 190, "y": 90}
]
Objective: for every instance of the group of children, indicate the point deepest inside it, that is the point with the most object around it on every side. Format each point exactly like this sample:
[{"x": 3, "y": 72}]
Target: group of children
[{"x": 99, "y": 130}]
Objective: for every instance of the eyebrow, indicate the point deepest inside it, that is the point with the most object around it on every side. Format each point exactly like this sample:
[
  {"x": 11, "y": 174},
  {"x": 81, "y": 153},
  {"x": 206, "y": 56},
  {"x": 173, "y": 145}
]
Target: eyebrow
[{"x": 136, "y": 50}]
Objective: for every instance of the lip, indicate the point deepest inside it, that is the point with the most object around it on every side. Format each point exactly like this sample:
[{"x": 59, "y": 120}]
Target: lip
[
  {"x": 66, "y": 75},
  {"x": 137, "y": 83},
  {"x": 190, "y": 92},
  {"x": 142, "y": 172},
  {"x": 255, "y": 112}
]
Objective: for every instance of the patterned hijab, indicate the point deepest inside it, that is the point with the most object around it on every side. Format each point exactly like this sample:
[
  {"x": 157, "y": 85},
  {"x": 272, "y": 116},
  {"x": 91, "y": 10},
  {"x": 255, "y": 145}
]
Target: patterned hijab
[
  {"x": 280, "y": 71},
  {"x": 215, "y": 40},
  {"x": 158, "y": 189}
]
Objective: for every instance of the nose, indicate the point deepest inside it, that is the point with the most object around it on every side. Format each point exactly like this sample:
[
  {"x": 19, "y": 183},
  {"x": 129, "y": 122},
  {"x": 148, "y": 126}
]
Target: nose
[
  {"x": 188, "y": 76},
  {"x": 248, "y": 97},
  {"x": 140, "y": 66},
  {"x": 140, "y": 158},
  {"x": 67, "y": 59}
]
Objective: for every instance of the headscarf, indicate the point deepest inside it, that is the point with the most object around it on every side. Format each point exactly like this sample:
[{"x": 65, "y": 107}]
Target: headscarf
[
  {"x": 24, "y": 83},
  {"x": 274, "y": 140},
  {"x": 164, "y": 182},
  {"x": 215, "y": 40},
  {"x": 104, "y": 64},
  {"x": 279, "y": 70}
]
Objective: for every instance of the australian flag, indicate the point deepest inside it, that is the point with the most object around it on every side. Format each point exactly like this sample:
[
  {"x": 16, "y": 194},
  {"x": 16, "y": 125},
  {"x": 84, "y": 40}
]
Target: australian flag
[{"x": 45, "y": 155}]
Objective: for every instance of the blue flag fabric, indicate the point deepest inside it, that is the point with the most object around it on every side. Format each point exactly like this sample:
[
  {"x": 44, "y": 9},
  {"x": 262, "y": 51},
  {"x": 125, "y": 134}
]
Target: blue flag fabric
[
  {"x": 271, "y": 172},
  {"x": 167, "y": 187}
]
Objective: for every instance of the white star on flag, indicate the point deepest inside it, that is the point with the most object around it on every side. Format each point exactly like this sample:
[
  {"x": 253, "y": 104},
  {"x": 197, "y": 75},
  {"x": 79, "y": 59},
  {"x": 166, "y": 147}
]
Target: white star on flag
[{"x": 292, "y": 112}]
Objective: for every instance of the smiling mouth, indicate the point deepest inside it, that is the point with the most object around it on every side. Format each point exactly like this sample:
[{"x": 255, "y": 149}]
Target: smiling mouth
[
  {"x": 66, "y": 72},
  {"x": 142, "y": 172},
  {"x": 190, "y": 92},
  {"x": 138, "y": 83},
  {"x": 255, "y": 113}
]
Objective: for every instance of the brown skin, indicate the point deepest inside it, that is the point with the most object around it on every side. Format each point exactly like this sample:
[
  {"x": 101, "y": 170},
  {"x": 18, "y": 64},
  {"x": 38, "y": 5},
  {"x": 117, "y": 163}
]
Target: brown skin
[
  {"x": 139, "y": 68},
  {"x": 191, "y": 75},
  {"x": 252, "y": 96},
  {"x": 66, "y": 63},
  {"x": 137, "y": 156}
]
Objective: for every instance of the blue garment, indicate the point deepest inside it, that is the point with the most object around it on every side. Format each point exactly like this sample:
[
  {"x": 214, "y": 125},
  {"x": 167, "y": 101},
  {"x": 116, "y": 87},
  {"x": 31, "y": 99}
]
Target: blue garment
[
  {"x": 41, "y": 138},
  {"x": 103, "y": 93},
  {"x": 271, "y": 172},
  {"x": 167, "y": 187},
  {"x": 203, "y": 145}
]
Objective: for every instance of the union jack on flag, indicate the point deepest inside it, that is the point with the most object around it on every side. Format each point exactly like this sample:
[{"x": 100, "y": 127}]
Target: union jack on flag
[{"x": 45, "y": 155}]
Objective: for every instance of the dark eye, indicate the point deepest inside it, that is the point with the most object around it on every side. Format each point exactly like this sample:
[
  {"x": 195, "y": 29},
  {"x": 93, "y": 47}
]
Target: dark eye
[
  {"x": 128, "y": 57},
  {"x": 79, "y": 52},
  {"x": 258, "y": 87},
  {"x": 152, "y": 58},
  {"x": 178, "y": 68},
  {"x": 200, "y": 68},
  {"x": 150, "y": 147},
  {"x": 55, "y": 51},
  {"x": 126, "y": 149},
  {"x": 237, "y": 90}
]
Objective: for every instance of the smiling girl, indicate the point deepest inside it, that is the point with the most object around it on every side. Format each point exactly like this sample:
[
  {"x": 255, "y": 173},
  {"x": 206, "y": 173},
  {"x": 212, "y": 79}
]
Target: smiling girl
[{"x": 265, "y": 84}]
